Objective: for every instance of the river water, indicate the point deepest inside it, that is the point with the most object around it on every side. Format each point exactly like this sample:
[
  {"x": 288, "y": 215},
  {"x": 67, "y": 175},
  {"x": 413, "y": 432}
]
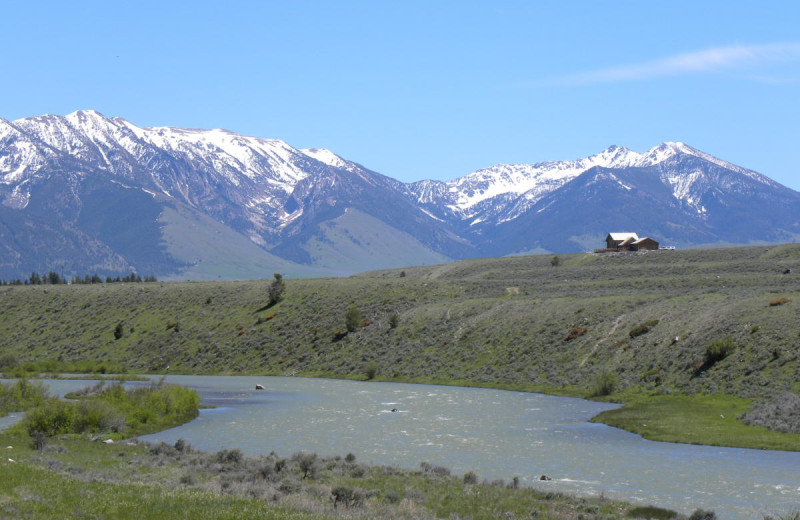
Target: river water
[{"x": 498, "y": 434}]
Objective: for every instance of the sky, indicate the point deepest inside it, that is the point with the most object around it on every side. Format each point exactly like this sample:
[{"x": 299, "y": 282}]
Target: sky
[{"x": 426, "y": 90}]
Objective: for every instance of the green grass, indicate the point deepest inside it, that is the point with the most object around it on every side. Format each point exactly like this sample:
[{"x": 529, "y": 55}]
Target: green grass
[
  {"x": 694, "y": 419},
  {"x": 29, "y": 492}
]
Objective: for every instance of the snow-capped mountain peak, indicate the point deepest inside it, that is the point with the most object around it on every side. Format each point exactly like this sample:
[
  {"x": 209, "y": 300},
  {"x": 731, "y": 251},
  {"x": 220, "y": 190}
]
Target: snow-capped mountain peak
[{"x": 325, "y": 156}]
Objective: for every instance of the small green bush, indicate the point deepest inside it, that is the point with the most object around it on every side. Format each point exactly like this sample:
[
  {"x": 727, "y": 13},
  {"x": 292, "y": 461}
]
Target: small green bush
[
  {"x": 54, "y": 417},
  {"x": 718, "y": 350},
  {"x": 604, "y": 384},
  {"x": 394, "y": 320},
  {"x": 352, "y": 318},
  {"x": 118, "y": 331},
  {"x": 371, "y": 370},
  {"x": 642, "y": 328}
]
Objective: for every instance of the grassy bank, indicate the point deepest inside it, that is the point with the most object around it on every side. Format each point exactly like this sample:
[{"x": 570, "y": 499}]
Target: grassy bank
[
  {"x": 695, "y": 419},
  {"x": 75, "y": 478},
  {"x": 703, "y": 322}
]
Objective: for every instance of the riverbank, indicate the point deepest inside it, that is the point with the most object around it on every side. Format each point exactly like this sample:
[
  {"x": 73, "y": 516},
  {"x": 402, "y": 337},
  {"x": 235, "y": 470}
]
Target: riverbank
[{"x": 74, "y": 477}]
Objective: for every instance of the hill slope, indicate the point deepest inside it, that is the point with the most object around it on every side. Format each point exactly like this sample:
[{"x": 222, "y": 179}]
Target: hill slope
[{"x": 516, "y": 320}]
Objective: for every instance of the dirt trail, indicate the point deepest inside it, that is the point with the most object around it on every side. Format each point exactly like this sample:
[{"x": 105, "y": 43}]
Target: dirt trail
[{"x": 596, "y": 345}]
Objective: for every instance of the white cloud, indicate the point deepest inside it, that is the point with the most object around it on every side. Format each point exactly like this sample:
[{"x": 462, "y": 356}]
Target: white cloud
[{"x": 733, "y": 58}]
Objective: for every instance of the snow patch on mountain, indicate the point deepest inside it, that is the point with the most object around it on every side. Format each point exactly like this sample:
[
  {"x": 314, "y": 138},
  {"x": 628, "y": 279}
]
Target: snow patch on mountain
[{"x": 327, "y": 157}]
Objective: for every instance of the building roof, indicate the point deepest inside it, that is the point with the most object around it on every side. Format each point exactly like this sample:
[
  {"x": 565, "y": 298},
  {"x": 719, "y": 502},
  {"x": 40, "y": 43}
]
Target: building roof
[
  {"x": 620, "y": 237},
  {"x": 644, "y": 239}
]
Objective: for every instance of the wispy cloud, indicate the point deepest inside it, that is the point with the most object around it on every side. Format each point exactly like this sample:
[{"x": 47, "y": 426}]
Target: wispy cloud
[{"x": 729, "y": 59}]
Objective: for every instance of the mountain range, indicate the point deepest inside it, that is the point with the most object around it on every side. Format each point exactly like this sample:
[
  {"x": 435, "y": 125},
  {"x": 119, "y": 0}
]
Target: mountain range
[{"x": 85, "y": 193}]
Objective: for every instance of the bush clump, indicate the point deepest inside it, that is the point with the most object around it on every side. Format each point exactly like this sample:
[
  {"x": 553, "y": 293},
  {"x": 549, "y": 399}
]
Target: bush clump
[
  {"x": 352, "y": 318},
  {"x": 642, "y": 328},
  {"x": 575, "y": 333},
  {"x": 781, "y": 413},
  {"x": 371, "y": 370},
  {"x": 21, "y": 395},
  {"x": 652, "y": 512},
  {"x": 718, "y": 350},
  {"x": 604, "y": 384},
  {"x": 115, "y": 410}
]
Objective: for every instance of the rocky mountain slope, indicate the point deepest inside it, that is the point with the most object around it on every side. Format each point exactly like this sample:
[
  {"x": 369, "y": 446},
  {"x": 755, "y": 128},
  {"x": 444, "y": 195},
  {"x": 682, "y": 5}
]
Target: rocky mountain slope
[{"x": 85, "y": 193}]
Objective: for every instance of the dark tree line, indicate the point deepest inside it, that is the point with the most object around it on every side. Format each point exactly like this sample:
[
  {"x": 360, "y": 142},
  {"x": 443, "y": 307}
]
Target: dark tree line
[{"x": 53, "y": 278}]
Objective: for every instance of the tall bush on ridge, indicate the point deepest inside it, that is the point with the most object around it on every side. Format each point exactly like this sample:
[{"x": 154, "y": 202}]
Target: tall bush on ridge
[{"x": 276, "y": 289}]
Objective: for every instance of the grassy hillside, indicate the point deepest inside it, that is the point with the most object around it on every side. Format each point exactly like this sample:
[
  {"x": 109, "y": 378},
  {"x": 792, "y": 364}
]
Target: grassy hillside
[{"x": 521, "y": 322}]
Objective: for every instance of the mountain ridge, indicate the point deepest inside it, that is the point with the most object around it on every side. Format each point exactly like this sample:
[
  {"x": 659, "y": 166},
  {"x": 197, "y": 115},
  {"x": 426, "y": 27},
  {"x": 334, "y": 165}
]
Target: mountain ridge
[{"x": 287, "y": 201}]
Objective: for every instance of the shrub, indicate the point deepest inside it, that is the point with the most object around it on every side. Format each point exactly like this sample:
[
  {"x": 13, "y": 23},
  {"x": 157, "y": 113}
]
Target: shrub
[
  {"x": 371, "y": 370},
  {"x": 182, "y": 446},
  {"x": 21, "y": 395},
  {"x": 470, "y": 478},
  {"x": 393, "y": 497},
  {"x": 54, "y": 417},
  {"x": 8, "y": 361},
  {"x": 555, "y": 261},
  {"x": 268, "y": 317},
  {"x": 604, "y": 384},
  {"x": 718, "y": 350},
  {"x": 276, "y": 289},
  {"x": 96, "y": 416},
  {"x": 700, "y": 514},
  {"x": 352, "y": 318},
  {"x": 642, "y": 328},
  {"x": 233, "y": 457},
  {"x": 574, "y": 333},
  {"x": 394, "y": 320},
  {"x": 346, "y": 495},
  {"x": 307, "y": 462},
  {"x": 118, "y": 331},
  {"x": 140, "y": 410},
  {"x": 39, "y": 442},
  {"x": 652, "y": 512},
  {"x": 781, "y": 413}
]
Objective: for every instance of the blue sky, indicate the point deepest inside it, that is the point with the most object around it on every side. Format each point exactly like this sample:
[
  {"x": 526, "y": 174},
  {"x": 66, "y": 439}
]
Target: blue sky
[{"x": 426, "y": 89}]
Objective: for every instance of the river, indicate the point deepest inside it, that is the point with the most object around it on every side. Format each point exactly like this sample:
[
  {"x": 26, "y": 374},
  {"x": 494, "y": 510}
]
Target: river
[{"x": 498, "y": 434}]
